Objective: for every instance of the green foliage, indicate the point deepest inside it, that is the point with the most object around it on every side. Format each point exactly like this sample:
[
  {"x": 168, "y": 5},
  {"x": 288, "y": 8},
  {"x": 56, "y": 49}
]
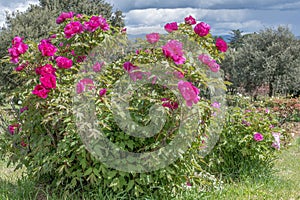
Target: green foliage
[{"x": 237, "y": 155}]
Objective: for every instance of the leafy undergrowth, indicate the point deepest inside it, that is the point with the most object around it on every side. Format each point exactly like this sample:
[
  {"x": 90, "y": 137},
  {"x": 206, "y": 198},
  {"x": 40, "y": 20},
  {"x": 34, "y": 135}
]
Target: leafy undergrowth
[{"x": 284, "y": 185}]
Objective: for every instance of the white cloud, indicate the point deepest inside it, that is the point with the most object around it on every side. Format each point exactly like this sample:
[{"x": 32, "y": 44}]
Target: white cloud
[{"x": 13, "y": 5}]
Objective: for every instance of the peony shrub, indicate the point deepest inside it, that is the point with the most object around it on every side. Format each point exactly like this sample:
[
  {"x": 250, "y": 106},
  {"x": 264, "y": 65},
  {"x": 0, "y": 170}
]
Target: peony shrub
[
  {"x": 249, "y": 143},
  {"x": 44, "y": 136}
]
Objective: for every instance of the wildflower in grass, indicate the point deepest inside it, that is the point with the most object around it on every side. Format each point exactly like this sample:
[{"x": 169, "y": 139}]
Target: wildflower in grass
[
  {"x": 276, "y": 143},
  {"x": 258, "y": 137}
]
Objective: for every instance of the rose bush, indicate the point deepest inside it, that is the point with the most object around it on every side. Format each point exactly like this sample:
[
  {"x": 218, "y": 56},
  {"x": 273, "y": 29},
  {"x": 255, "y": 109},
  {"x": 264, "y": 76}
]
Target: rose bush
[{"x": 45, "y": 136}]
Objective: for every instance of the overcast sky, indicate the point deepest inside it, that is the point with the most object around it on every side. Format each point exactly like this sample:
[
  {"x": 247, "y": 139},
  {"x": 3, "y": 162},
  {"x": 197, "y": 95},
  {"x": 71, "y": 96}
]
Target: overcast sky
[{"x": 144, "y": 16}]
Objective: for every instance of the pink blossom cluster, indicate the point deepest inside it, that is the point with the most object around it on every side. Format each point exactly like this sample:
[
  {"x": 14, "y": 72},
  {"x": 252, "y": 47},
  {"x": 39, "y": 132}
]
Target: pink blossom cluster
[
  {"x": 18, "y": 48},
  {"x": 221, "y": 45},
  {"x": 211, "y": 63},
  {"x": 202, "y": 29},
  {"x": 12, "y": 128},
  {"x": 169, "y": 104},
  {"x": 63, "y": 16},
  {"x": 63, "y": 62},
  {"x": 133, "y": 71},
  {"x": 170, "y": 27},
  {"x": 189, "y": 92},
  {"x": 173, "y": 50},
  {"x": 21, "y": 67},
  {"x": 97, "y": 66},
  {"x": 47, "y": 48},
  {"x": 152, "y": 37},
  {"x": 96, "y": 22},
  {"x": 73, "y": 28},
  {"x": 190, "y": 20},
  {"x": 83, "y": 84},
  {"x": 47, "y": 79}
]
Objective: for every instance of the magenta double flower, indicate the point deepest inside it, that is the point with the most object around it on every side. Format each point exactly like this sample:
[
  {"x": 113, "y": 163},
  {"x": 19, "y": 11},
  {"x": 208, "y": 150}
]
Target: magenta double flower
[
  {"x": 258, "y": 137},
  {"x": 173, "y": 50},
  {"x": 47, "y": 48},
  {"x": 18, "y": 48},
  {"x": 96, "y": 22},
  {"x": 189, "y": 92}
]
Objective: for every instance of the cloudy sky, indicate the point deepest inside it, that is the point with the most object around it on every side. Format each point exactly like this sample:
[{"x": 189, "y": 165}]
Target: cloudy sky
[{"x": 144, "y": 16}]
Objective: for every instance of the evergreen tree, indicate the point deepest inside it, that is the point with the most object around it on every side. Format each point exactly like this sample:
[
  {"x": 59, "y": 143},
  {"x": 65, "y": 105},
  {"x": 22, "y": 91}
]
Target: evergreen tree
[{"x": 268, "y": 58}]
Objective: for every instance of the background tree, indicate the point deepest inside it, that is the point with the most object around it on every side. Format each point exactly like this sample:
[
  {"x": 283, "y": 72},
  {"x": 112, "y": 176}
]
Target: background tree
[
  {"x": 34, "y": 24},
  {"x": 268, "y": 58}
]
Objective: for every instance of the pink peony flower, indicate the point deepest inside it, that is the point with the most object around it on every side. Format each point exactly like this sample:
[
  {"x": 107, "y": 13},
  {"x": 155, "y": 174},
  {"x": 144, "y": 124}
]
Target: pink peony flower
[
  {"x": 79, "y": 16},
  {"x": 170, "y": 27},
  {"x": 81, "y": 58},
  {"x": 84, "y": 84},
  {"x": 23, "y": 144},
  {"x": 152, "y": 37},
  {"x": 211, "y": 63},
  {"x": 63, "y": 16},
  {"x": 189, "y": 92},
  {"x": 21, "y": 67},
  {"x": 95, "y": 22},
  {"x": 97, "y": 67},
  {"x": 258, "y": 137},
  {"x": 133, "y": 71},
  {"x": 202, "y": 29},
  {"x": 46, "y": 48},
  {"x": 173, "y": 50},
  {"x": 244, "y": 122},
  {"x": 123, "y": 30},
  {"x": 216, "y": 105},
  {"x": 40, "y": 91},
  {"x": 23, "y": 109},
  {"x": 12, "y": 128},
  {"x": 169, "y": 104},
  {"x": 73, "y": 28},
  {"x": 102, "y": 92},
  {"x": 45, "y": 69},
  {"x": 213, "y": 66},
  {"x": 17, "y": 40},
  {"x": 221, "y": 45},
  {"x": 190, "y": 20},
  {"x": 18, "y": 48},
  {"x": 178, "y": 74},
  {"x": 48, "y": 81},
  {"x": 63, "y": 62}
]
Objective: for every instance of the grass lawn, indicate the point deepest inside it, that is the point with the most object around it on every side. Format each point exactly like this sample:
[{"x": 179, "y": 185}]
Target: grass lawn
[{"x": 285, "y": 185}]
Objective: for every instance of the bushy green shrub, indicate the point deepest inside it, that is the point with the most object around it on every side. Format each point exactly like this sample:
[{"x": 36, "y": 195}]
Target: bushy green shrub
[
  {"x": 44, "y": 136},
  {"x": 247, "y": 145}
]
